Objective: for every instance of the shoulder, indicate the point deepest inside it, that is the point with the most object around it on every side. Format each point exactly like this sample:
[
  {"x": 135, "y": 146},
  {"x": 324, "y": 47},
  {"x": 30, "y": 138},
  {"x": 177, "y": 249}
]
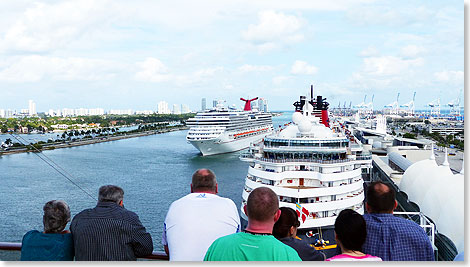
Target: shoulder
[{"x": 30, "y": 234}]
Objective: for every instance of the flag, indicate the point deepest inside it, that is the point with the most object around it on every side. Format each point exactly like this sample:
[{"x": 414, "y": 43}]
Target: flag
[{"x": 301, "y": 212}]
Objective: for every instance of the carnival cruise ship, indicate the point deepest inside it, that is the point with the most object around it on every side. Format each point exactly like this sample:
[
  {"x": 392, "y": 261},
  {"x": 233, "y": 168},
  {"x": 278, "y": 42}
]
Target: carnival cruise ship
[
  {"x": 223, "y": 130},
  {"x": 315, "y": 169}
]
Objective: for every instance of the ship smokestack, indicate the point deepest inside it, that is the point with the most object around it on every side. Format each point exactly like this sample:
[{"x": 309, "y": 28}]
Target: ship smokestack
[{"x": 311, "y": 92}]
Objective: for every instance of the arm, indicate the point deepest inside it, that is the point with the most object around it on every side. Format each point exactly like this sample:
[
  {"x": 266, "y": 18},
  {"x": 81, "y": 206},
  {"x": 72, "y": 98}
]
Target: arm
[
  {"x": 142, "y": 244},
  {"x": 166, "y": 250}
]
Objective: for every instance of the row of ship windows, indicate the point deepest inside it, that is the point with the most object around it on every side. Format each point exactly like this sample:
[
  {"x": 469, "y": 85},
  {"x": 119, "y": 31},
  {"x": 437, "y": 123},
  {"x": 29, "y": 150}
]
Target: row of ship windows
[
  {"x": 248, "y": 134},
  {"x": 326, "y": 213},
  {"x": 325, "y": 170},
  {"x": 304, "y": 155},
  {"x": 303, "y": 182},
  {"x": 308, "y": 143}
]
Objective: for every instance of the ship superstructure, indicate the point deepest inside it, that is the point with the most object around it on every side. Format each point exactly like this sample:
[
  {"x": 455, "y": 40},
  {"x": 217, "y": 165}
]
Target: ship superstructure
[
  {"x": 223, "y": 130},
  {"x": 314, "y": 167}
]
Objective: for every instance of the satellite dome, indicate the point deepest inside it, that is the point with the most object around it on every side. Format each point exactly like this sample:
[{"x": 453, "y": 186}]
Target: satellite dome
[
  {"x": 305, "y": 126},
  {"x": 297, "y": 117}
]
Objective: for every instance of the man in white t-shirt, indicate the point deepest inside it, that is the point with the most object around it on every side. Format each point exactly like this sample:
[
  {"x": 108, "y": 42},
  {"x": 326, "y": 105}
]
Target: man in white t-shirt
[{"x": 196, "y": 220}]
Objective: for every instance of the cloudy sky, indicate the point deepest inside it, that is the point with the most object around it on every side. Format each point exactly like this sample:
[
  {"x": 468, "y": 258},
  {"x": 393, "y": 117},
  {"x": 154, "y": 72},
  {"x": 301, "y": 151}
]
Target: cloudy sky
[{"x": 132, "y": 54}]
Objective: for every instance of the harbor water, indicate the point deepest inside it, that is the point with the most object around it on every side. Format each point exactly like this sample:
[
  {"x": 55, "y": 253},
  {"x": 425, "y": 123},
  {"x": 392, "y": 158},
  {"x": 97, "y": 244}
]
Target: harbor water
[{"x": 153, "y": 170}]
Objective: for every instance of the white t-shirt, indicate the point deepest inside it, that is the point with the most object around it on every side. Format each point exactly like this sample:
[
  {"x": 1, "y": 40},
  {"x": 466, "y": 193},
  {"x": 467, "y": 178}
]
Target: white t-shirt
[{"x": 196, "y": 220}]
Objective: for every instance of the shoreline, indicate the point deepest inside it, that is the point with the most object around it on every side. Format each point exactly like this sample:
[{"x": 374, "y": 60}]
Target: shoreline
[{"x": 102, "y": 139}]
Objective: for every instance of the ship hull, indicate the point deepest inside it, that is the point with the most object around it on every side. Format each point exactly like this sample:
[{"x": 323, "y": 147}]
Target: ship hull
[{"x": 222, "y": 144}]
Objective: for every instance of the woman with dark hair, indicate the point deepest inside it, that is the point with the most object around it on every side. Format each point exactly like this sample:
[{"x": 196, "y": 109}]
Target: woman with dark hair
[
  {"x": 55, "y": 243},
  {"x": 350, "y": 235},
  {"x": 285, "y": 230}
]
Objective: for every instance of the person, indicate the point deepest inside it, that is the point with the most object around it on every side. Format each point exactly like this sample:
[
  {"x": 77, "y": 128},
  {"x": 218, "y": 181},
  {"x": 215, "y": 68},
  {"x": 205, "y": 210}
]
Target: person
[
  {"x": 392, "y": 238},
  {"x": 285, "y": 230},
  {"x": 194, "y": 221},
  {"x": 109, "y": 232},
  {"x": 256, "y": 242},
  {"x": 54, "y": 243},
  {"x": 350, "y": 235}
]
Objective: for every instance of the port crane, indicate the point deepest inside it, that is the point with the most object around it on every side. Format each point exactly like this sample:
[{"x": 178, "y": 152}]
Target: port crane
[{"x": 410, "y": 106}]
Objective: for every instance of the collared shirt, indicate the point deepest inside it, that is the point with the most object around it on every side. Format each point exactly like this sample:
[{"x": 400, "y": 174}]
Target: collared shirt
[
  {"x": 396, "y": 239},
  {"x": 109, "y": 232}
]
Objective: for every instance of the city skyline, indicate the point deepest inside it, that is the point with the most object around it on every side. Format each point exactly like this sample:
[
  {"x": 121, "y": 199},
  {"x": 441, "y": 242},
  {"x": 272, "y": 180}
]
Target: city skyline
[{"x": 118, "y": 54}]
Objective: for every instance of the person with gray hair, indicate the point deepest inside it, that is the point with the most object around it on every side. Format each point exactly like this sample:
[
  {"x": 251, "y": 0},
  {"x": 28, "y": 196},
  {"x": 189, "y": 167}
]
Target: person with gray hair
[
  {"x": 55, "y": 243},
  {"x": 109, "y": 232},
  {"x": 194, "y": 221}
]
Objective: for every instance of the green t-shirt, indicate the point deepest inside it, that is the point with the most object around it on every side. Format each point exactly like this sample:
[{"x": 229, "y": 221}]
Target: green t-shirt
[{"x": 249, "y": 247}]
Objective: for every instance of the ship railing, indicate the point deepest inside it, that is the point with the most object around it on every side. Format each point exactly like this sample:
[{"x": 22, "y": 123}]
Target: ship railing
[
  {"x": 305, "y": 160},
  {"x": 424, "y": 222},
  {"x": 15, "y": 246}
]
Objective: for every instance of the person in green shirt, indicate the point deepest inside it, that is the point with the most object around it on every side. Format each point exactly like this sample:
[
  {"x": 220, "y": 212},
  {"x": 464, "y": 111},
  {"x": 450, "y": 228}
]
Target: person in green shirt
[{"x": 256, "y": 242}]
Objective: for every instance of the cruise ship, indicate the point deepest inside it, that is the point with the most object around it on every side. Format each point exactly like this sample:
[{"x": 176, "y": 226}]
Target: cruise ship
[
  {"x": 223, "y": 130},
  {"x": 315, "y": 168}
]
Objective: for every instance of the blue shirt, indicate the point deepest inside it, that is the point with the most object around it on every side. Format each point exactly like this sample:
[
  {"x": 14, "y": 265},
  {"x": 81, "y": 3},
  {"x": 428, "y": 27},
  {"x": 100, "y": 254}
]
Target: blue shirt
[
  {"x": 37, "y": 246},
  {"x": 396, "y": 239}
]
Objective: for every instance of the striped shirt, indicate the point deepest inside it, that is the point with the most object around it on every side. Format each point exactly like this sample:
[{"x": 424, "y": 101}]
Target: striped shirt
[
  {"x": 109, "y": 232},
  {"x": 396, "y": 239}
]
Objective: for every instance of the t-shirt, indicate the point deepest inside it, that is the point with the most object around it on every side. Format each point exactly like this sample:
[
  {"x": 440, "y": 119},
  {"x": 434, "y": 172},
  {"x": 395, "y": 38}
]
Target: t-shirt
[
  {"x": 346, "y": 257},
  {"x": 250, "y": 247},
  {"x": 305, "y": 251},
  {"x": 195, "y": 221},
  {"x": 37, "y": 246}
]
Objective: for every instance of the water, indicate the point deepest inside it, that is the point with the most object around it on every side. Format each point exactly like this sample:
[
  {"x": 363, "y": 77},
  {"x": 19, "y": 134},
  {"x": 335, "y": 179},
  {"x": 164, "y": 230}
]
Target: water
[{"x": 153, "y": 171}]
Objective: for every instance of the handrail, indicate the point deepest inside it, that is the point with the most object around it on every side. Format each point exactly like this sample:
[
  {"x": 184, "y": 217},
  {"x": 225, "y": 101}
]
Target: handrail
[{"x": 156, "y": 255}]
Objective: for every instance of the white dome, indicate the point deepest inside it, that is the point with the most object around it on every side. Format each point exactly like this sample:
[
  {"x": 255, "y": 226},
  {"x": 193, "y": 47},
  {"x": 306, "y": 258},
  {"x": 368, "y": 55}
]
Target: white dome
[
  {"x": 437, "y": 178},
  {"x": 451, "y": 220},
  {"x": 305, "y": 126},
  {"x": 297, "y": 117},
  {"x": 434, "y": 200},
  {"x": 420, "y": 173}
]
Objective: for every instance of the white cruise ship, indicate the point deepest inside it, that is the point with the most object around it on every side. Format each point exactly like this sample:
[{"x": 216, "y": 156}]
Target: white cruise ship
[
  {"x": 222, "y": 130},
  {"x": 315, "y": 169}
]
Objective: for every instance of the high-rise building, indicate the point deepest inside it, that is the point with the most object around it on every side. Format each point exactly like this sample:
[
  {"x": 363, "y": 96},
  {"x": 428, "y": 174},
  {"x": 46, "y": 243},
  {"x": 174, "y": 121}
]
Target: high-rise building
[
  {"x": 203, "y": 104},
  {"x": 32, "y": 108},
  {"x": 214, "y": 103},
  {"x": 185, "y": 109},
  {"x": 176, "y": 109},
  {"x": 67, "y": 112},
  {"x": 8, "y": 113},
  {"x": 162, "y": 108},
  {"x": 2, "y": 113},
  {"x": 96, "y": 111},
  {"x": 263, "y": 105}
]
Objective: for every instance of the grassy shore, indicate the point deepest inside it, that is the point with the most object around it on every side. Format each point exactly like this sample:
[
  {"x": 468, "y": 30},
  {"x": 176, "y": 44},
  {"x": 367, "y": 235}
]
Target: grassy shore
[{"x": 100, "y": 139}]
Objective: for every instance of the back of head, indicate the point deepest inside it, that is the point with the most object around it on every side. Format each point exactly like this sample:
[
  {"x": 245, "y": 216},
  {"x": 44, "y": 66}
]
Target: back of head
[
  {"x": 262, "y": 204},
  {"x": 56, "y": 216},
  {"x": 350, "y": 229},
  {"x": 287, "y": 219},
  {"x": 110, "y": 193},
  {"x": 380, "y": 197},
  {"x": 204, "y": 181}
]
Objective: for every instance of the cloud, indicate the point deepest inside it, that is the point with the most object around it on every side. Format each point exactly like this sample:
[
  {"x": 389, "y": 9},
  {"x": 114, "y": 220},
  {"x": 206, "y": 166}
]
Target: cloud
[
  {"x": 152, "y": 70},
  {"x": 389, "y": 16},
  {"x": 36, "y": 68},
  {"x": 412, "y": 51},
  {"x": 370, "y": 51},
  {"x": 46, "y": 27},
  {"x": 455, "y": 77},
  {"x": 254, "y": 68},
  {"x": 280, "y": 79},
  {"x": 389, "y": 65},
  {"x": 273, "y": 30},
  {"x": 302, "y": 67}
]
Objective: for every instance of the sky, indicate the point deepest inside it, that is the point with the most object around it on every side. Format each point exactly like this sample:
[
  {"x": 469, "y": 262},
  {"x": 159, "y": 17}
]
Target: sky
[{"x": 118, "y": 54}]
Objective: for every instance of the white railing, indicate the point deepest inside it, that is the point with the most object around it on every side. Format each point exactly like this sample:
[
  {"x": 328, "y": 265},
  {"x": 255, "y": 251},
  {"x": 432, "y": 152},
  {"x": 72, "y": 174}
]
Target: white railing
[{"x": 423, "y": 222}]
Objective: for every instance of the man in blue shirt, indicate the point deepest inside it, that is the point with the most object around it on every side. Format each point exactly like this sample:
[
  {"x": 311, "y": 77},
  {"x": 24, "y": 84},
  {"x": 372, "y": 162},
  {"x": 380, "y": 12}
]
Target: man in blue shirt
[{"x": 392, "y": 238}]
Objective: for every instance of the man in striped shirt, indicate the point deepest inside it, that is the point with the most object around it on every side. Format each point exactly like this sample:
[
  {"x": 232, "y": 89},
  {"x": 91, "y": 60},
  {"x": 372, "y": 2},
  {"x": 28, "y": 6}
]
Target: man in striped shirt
[{"x": 109, "y": 232}]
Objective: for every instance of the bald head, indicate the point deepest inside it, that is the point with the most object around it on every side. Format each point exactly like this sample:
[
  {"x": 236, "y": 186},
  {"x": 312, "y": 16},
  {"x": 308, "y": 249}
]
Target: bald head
[
  {"x": 380, "y": 198},
  {"x": 204, "y": 181},
  {"x": 262, "y": 204}
]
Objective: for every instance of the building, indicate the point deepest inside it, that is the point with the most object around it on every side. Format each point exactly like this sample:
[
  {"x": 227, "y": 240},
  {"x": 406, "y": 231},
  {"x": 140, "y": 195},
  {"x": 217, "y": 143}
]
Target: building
[
  {"x": 176, "y": 109},
  {"x": 263, "y": 105},
  {"x": 121, "y": 112},
  {"x": 96, "y": 111},
  {"x": 2, "y": 113},
  {"x": 162, "y": 108},
  {"x": 32, "y": 108},
  {"x": 214, "y": 103},
  {"x": 203, "y": 104},
  {"x": 185, "y": 109}
]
